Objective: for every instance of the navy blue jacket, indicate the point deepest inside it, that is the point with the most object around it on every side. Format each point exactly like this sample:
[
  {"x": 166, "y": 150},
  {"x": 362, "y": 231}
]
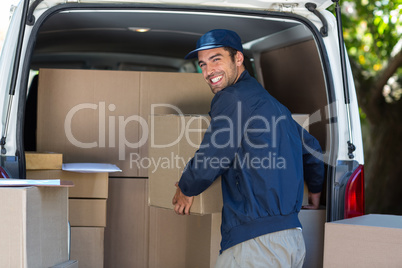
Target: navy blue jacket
[{"x": 257, "y": 148}]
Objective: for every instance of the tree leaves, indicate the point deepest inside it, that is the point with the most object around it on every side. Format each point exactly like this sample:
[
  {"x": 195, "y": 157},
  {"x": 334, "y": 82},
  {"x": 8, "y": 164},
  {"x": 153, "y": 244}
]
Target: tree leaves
[{"x": 373, "y": 34}]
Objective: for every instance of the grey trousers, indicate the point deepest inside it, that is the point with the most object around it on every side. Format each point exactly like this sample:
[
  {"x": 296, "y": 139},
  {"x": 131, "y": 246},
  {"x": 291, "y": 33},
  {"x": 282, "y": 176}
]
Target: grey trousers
[{"x": 280, "y": 249}]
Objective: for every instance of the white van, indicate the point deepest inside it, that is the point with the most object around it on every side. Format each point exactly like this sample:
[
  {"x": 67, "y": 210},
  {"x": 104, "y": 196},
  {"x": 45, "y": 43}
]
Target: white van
[{"x": 294, "y": 48}]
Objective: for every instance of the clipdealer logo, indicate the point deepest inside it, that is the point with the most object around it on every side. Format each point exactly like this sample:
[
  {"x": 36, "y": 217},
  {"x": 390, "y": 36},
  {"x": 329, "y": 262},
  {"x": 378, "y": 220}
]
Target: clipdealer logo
[{"x": 109, "y": 124}]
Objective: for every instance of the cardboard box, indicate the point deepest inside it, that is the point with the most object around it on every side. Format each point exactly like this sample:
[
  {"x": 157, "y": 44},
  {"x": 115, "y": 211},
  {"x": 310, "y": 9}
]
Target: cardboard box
[
  {"x": 33, "y": 226},
  {"x": 173, "y": 142},
  {"x": 302, "y": 120},
  {"x": 98, "y": 116},
  {"x": 172, "y": 93},
  {"x": 86, "y": 185},
  {"x": 167, "y": 147},
  {"x": 67, "y": 264},
  {"x": 37, "y": 160},
  {"x": 87, "y": 246},
  {"x": 197, "y": 238},
  {"x": 127, "y": 232},
  {"x": 181, "y": 242},
  {"x": 313, "y": 221},
  {"x": 87, "y": 212},
  {"x": 365, "y": 241}
]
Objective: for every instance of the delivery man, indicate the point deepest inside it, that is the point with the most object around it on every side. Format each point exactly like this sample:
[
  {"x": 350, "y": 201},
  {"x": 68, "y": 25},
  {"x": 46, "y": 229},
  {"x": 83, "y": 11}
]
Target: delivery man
[{"x": 262, "y": 155}]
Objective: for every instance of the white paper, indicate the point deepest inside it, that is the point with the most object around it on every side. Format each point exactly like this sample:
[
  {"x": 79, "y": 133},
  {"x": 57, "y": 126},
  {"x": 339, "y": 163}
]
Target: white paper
[
  {"x": 90, "y": 167},
  {"x": 23, "y": 182}
]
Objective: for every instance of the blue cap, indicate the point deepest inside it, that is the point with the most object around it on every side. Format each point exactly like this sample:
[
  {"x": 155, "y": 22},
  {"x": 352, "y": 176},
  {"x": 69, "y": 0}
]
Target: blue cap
[{"x": 216, "y": 38}]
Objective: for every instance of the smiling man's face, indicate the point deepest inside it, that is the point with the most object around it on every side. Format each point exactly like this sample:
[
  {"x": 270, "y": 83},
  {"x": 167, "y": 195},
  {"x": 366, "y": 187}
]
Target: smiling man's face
[{"x": 219, "y": 69}]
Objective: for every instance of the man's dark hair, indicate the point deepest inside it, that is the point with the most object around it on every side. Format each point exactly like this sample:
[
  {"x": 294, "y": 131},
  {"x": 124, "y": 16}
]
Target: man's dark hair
[{"x": 232, "y": 52}]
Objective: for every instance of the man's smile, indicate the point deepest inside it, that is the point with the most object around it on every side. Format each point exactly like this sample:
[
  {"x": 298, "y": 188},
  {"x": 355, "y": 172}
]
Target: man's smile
[{"x": 216, "y": 79}]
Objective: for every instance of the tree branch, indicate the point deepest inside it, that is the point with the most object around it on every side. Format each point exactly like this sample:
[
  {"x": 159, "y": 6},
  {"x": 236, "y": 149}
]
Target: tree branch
[{"x": 381, "y": 80}]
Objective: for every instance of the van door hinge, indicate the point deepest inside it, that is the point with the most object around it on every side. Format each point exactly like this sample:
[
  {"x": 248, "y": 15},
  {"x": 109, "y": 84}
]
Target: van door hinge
[
  {"x": 312, "y": 7},
  {"x": 31, "y": 17},
  {"x": 2, "y": 144}
]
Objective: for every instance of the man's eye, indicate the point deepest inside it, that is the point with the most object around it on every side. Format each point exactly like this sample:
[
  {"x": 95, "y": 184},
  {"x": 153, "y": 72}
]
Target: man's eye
[{"x": 201, "y": 65}]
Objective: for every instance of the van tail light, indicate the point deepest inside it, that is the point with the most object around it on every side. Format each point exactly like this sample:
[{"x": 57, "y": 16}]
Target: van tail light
[
  {"x": 3, "y": 174},
  {"x": 354, "y": 194}
]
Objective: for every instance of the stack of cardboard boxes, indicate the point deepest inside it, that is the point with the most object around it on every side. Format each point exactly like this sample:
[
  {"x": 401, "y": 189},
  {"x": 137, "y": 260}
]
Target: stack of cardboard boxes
[
  {"x": 175, "y": 138},
  {"x": 87, "y": 205},
  {"x": 33, "y": 226},
  {"x": 101, "y": 116}
]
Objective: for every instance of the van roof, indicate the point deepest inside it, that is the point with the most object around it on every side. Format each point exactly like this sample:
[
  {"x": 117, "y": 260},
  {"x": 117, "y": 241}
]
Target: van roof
[{"x": 296, "y": 6}]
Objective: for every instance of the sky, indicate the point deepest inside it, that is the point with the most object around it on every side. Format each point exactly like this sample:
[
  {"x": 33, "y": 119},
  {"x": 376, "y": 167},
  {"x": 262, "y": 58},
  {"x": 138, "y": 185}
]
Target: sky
[{"x": 4, "y": 17}]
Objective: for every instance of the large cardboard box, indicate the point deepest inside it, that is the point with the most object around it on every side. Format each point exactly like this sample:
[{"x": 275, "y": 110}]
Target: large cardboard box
[
  {"x": 33, "y": 226},
  {"x": 183, "y": 241},
  {"x": 101, "y": 116},
  {"x": 365, "y": 241},
  {"x": 197, "y": 238},
  {"x": 172, "y": 93},
  {"x": 87, "y": 246},
  {"x": 173, "y": 141},
  {"x": 127, "y": 231},
  {"x": 313, "y": 221},
  {"x": 38, "y": 160},
  {"x": 86, "y": 185},
  {"x": 87, "y": 212}
]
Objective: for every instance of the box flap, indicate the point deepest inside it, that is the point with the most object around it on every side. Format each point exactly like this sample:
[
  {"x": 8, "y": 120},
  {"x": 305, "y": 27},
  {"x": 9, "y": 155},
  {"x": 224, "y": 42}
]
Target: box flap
[
  {"x": 90, "y": 167},
  {"x": 24, "y": 182},
  {"x": 374, "y": 220}
]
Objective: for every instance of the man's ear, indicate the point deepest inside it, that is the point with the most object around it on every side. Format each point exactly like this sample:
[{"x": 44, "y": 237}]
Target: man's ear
[{"x": 239, "y": 58}]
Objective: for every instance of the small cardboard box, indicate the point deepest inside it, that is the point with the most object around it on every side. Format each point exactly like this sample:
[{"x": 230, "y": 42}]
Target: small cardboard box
[
  {"x": 37, "y": 160},
  {"x": 365, "y": 241},
  {"x": 33, "y": 226},
  {"x": 87, "y": 246},
  {"x": 173, "y": 142},
  {"x": 86, "y": 185},
  {"x": 87, "y": 212}
]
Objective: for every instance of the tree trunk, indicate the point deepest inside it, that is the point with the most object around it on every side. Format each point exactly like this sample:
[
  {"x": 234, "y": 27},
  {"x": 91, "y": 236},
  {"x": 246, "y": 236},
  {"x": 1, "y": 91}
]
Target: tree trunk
[
  {"x": 383, "y": 148},
  {"x": 383, "y": 165}
]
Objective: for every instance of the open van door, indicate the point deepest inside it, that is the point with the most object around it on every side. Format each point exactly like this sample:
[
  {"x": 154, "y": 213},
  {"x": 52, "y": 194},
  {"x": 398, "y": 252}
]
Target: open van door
[{"x": 10, "y": 69}]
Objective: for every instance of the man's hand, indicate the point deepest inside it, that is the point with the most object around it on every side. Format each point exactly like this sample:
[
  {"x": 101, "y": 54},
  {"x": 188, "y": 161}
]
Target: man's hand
[
  {"x": 181, "y": 202},
  {"x": 313, "y": 201}
]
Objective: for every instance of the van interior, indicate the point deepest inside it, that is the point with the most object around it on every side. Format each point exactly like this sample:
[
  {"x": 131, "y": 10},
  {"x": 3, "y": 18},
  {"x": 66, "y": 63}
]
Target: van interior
[{"x": 282, "y": 53}]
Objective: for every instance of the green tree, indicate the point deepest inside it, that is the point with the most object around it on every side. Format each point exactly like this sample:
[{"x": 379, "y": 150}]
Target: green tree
[{"x": 372, "y": 32}]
